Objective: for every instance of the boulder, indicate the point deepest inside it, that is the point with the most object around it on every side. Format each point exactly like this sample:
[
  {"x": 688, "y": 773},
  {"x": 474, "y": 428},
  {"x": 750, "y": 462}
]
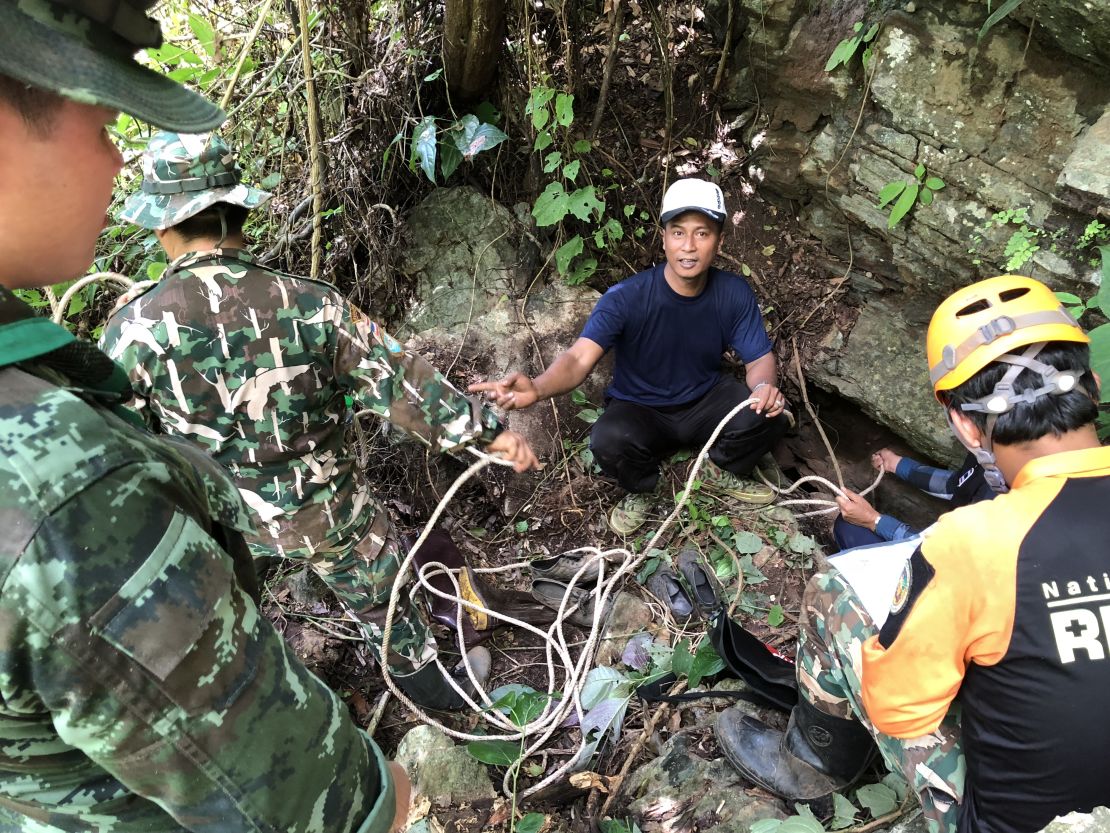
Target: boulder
[
  {"x": 1097, "y": 821},
  {"x": 441, "y": 771}
]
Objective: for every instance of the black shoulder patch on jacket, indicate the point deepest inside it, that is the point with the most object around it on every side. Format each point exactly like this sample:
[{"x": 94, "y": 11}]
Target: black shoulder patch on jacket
[{"x": 915, "y": 577}]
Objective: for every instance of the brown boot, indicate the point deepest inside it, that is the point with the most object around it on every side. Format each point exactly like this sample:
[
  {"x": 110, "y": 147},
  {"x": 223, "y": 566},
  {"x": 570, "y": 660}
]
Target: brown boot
[{"x": 818, "y": 754}]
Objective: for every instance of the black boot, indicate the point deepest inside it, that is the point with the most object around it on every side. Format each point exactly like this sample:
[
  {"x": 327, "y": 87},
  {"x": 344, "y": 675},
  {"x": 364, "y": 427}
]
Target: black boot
[{"x": 818, "y": 754}]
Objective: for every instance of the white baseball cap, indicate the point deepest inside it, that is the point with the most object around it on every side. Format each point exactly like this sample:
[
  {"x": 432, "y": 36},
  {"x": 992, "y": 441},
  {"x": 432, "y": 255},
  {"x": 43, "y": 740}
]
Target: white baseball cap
[{"x": 693, "y": 195}]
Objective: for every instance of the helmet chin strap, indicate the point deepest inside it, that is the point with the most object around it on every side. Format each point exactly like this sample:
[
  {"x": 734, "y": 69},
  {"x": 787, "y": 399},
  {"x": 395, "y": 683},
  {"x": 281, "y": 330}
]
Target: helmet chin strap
[{"x": 1002, "y": 400}]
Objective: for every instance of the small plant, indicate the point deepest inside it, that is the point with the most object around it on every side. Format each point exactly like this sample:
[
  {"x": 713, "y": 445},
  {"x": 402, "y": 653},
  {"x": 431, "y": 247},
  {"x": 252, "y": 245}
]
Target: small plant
[
  {"x": 1100, "y": 335},
  {"x": 452, "y": 144},
  {"x": 846, "y": 50},
  {"x": 881, "y": 800},
  {"x": 907, "y": 194}
]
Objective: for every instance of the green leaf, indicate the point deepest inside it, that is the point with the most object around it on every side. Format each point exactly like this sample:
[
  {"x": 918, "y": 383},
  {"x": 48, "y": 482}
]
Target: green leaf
[
  {"x": 865, "y": 58},
  {"x": 843, "y": 53},
  {"x": 424, "y": 146},
  {"x": 583, "y": 146},
  {"x": 568, "y": 252},
  {"x": 682, "y": 660},
  {"x": 475, "y": 136},
  {"x": 449, "y": 159},
  {"x": 919, "y": 171},
  {"x": 707, "y": 662},
  {"x": 925, "y": 197},
  {"x": 588, "y": 415},
  {"x": 747, "y": 543},
  {"x": 998, "y": 15},
  {"x": 203, "y": 32},
  {"x": 934, "y": 182},
  {"x": 878, "y": 798},
  {"x": 433, "y": 76},
  {"x": 583, "y": 271},
  {"x": 898, "y": 784},
  {"x": 1100, "y": 356},
  {"x": 801, "y": 544},
  {"x": 766, "y": 826},
  {"x": 1102, "y": 298},
  {"x": 870, "y": 36},
  {"x": 494, "y": 752},
  {"x": 889, "y": 192},
  {"x": 903, "y": 205},
  {"x": 551, "y": 206},
  {"x": 543, "y": 141},
  {"x": 270, "y": 182},
  {"x": 552, "y": 161},
  {"x": 564, "y": 109},
  {"x": 844, "y": 812},
  {"x": 647, "y": 570},
  {"x": 531, "y": 823},
  {"x": 571, "y": 170},
  {"x": 538, "y": 99},
  {"x": 578, "y": 397},
  {"x": 775, "y": 616},
  {"x": 154, "y": 270},
  {"x": 584, "y": 202},
  {"x": 800, "y": 824},
  {"x": 521, "y": 526}
]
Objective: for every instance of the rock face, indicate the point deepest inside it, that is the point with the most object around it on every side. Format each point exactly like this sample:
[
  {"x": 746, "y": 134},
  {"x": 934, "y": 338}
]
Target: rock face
[
  {"x": 442, "y": 772},
  {"x": 1015, "y": 121},
  {"x": 473, "y": 264}
]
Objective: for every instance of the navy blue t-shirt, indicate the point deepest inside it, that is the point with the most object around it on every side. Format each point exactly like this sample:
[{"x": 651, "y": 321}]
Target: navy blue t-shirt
[{"x": 669, "y": 346}]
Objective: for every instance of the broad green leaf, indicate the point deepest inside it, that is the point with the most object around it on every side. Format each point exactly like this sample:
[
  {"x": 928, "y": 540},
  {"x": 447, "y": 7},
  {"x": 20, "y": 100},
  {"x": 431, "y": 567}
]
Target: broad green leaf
[
  {"x": 844, "y": 812},
  {"x": 270, "y": 182},
  {"x": 765, "y": 826},
  {"x": 494, "y": 752},
  {"x": 1067, "y": 298},
  {"x": 543, "y": 141},
  {"x": 919, "y": 171},
  {"x": 584, "y": 202},
  {"x": 203, "y": 32},
  {"x": 889, "y": 192},
  {"x": 578, "y": 398},
  {"x": 707, "y": 662},
  {"x": 433, "y": 76},
  {"x": 800, "y": 824},
  {"x": 539, "y": 98},
  {"x": 898, "y": 784},
  {"x": 552, "y": 161},
  {"x": 154, "y": 270},
  {"x": 540, "y": 118},
  {"x": 903, "y": 205},
  {"x": 775, "y": 616},
  {"x": 998, "y": 15},
  {"x": 878, "y": 798},
  {"x": 870, "y": 36},
  {"x": 934, "y": 182},
  {"x": 843, "y": 52},
  {"x": 747, "y": 543},
  {"x": 925, "y": 197},
  {"x": 865, "y": 58},
  {"x": 801, "y": 544},
  {"x": 1100, "y": 356},
  {"x": 521, "y": 526},
  {"x": 613, "y": 229},
  {"x": 475, "y": 137},
  {"x": 568, "y": 252},
  {"x": 551, "y": 206},
  {"x": 583, "y": 271},
  {"x": 682, "y": 660},
  {"x": 571, "y": 171},
  {"x": 564, "y": 109},
  {"x": 424, "y": 146},
  {"x": 449, "y": 159},
  {"x": 583, "y": 146},
  {"x": 531, "y": 823},
  {"x": 588, "y": 415},
  {"x": 487, "y": 112},
  {"x": 647, "y": 570}
]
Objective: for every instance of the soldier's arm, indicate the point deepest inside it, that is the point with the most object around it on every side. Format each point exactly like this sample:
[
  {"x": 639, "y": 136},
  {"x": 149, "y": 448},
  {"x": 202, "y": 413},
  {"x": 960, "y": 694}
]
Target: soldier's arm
[
  {"x": 404, "y": 388},
  {"x": 124, "y": 619},
  {"x": 136, "y": 362}
]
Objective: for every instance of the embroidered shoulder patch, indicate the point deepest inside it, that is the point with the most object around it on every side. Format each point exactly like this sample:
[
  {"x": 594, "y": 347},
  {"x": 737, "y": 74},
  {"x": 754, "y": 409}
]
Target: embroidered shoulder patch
[{"x": 902, "y": 591}]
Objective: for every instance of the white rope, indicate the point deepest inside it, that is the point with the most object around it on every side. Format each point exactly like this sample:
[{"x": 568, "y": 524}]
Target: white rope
[
  {"x": 564, "y": 673},
  {"x": 814, "y": 478},
  {"x": 63, "y": 303}
]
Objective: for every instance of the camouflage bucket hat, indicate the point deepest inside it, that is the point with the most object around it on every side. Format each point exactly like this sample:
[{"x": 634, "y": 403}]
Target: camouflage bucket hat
[
  {"x": 84, "y": 50},
  {"x": 183, "y": 174}
]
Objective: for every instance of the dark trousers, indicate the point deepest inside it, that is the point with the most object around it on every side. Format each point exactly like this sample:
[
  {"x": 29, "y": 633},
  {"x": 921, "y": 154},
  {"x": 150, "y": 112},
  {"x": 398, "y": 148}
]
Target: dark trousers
[
  {"x": 849, "y": 535},
  {"x": 630, "y": 440}
]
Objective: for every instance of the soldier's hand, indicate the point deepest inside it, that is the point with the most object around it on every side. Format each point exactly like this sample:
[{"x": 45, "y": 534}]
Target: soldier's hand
[
  {"x": 857, "y": 510},
  {"x": 886, "y": 460},
  {"x": 514, "y": 392},
  {"x": 402, "y": 789},
  {"x": 514, "y": 448}
]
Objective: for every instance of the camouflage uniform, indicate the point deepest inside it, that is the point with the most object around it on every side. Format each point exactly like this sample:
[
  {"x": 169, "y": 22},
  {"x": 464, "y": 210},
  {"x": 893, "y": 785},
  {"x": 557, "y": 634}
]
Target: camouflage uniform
[
  {"x": 140, "y": 688},
  {"x": 834, "y": 626},
  {"x": 254, "y": 367}
]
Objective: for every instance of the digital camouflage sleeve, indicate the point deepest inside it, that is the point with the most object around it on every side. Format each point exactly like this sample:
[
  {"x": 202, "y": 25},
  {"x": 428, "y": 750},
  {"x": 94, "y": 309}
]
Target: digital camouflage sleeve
[
  {"x": 140, "y": 688},
  {"x": 255, "y": 367}
]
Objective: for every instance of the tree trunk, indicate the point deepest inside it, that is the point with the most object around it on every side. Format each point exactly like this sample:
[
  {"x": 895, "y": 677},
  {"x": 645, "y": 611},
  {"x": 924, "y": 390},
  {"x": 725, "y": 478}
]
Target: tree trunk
[{"x": 472, "y": 34}]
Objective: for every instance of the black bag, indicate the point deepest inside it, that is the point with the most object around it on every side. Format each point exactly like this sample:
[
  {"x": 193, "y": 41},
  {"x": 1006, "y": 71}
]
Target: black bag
[{"x": 769, "y": 677}]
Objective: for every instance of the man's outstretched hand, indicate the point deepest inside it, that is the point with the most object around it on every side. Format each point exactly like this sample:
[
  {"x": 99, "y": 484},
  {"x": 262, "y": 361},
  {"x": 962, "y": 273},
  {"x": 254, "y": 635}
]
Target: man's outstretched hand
[
  {"x": 886, "y": 460},
  {"x": 512, "y": 393},
  {"x": 514, "y": 448},
  {"x": 856, "y": 510}
]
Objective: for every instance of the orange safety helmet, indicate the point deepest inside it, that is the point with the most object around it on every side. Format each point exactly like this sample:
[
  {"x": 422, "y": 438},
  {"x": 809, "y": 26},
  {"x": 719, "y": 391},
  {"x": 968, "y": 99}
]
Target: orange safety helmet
[{"x": 977, "y": 324}]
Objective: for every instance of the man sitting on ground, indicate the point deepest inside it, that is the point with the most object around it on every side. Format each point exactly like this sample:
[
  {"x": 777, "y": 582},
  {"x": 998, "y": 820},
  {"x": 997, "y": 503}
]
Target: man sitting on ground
[
  {"x": 1002, "y": 607},
  {"x": 254, "y": 366},
  {"x": 669, "y": 326}
]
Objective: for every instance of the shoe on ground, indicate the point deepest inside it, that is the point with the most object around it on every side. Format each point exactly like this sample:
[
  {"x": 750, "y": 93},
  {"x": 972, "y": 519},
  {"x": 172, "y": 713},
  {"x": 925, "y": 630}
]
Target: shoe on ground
[
  {"x": 632, "y": 512},
  {"x": 705, "y": 590},
  {"x": 665, "y": 586},
  {"x": 716, "y": 479},
  {"x": 551, "y": 594},
  {"x": 565, "y": 566}
]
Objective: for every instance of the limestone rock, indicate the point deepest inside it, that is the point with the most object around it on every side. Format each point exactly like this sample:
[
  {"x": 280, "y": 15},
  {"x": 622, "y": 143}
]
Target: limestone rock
[
  {"x": 1097, "y": 821},
  {"x": 708, "y": 795},
  {"x": 1086, "y": 174},
  {"x": 441, "y": 771}
]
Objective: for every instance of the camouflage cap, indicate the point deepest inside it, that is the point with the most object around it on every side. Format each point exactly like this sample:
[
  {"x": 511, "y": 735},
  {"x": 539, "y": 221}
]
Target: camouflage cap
[
  {"x": 84, "y": 50},
  {"x": 183, "y": 174}
]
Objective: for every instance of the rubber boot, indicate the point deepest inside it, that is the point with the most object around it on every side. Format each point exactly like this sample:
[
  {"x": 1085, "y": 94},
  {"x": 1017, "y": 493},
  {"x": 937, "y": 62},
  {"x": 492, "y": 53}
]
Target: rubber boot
[
  {"x": 818, "y": 754},
  {"x": 428, "y": 688}
]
